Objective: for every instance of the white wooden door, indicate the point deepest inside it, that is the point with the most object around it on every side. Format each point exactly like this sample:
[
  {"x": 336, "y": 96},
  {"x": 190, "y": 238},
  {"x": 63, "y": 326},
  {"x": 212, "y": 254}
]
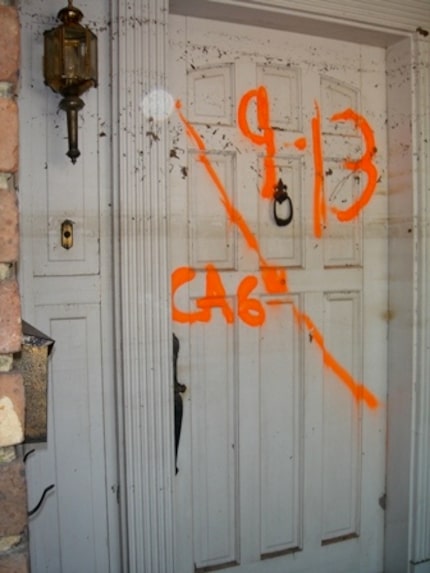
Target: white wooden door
[
  {"x": 282, "y": 328},
  {"x": 67, "y": 293}
]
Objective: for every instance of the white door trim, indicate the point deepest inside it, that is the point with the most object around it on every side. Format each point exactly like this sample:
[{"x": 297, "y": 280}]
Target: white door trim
[
  {"x": 140, "y": 158},
  {"x": 145, "y": 405},
  {"x": 420, "y": 430}
]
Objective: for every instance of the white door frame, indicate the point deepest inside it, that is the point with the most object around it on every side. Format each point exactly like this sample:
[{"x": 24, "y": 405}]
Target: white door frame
[{"x": 142, "y": 282}]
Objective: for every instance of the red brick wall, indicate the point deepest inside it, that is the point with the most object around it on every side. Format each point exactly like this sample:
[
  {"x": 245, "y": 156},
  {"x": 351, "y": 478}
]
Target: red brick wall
[{"x": 13, "y": 495}]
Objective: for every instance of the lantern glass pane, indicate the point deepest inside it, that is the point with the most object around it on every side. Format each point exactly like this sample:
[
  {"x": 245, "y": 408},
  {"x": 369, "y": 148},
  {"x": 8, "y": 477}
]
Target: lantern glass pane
[
  {"x": 74, "y": 52},
  {"x": 71, "y": 60},
  {"x": 52, "y": 59}
]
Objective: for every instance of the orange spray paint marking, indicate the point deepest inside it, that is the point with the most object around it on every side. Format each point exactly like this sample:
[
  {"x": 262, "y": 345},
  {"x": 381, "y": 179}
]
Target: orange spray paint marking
[
  {"x": 274, "y": 279},
  {"x": 364, "y": 164},
  {"x": 276, "y": 301},
  {"x": 320, "y": 209},
  {"x": 250, "y": 310},
  {"x": 267, "y": 138},
  {"x": 215, "y": 296},
  {"x": 300, "y": 143},
  {"x": 358, "y": 390},
  {"x": 181, "y": 276},
  {"x": 191, "y": 132}
]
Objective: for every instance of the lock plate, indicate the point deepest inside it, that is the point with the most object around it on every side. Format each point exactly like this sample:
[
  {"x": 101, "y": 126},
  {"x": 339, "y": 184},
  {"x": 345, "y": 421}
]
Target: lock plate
[{"x": 67, "y": 234}]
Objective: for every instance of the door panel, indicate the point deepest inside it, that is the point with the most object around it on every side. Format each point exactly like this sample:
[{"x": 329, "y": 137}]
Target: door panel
[
  {"x": 341, "y": 427},
  {"x": 215, "y": 511},
  {"x": 282, "y": 342},
  {"x": 75, "y": 393},
  {"x": 281, "y": 423},
  {"x": 212, "y": 237}
]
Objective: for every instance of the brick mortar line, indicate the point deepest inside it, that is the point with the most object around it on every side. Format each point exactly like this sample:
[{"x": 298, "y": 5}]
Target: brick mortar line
[
  {"x": 6, "y": 363},
  {"x": 7, "y": 90},
  {"x": 6, "y": 179}
]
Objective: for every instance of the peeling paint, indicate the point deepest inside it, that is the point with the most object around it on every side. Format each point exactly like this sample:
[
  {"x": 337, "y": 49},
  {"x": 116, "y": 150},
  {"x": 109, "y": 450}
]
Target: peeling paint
[{"x": 423, "y": 32}]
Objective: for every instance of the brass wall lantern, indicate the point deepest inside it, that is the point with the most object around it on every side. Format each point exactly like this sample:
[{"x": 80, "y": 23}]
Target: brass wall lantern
[{"x": 70, "y": 67}]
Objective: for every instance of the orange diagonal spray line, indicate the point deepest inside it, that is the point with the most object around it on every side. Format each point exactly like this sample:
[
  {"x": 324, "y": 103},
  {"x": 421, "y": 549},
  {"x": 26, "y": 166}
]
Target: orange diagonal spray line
[
  {"x": 275, "y": 279},
  {"x": 358, "y": 390}
]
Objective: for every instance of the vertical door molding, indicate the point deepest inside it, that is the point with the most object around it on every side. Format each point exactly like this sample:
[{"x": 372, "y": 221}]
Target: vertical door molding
[
  {"x": 407, "y": 546},
  {"x": 144, "y": 346},
  {"x": 402, "y": 303},
  {"x": 420, "y": 500}
]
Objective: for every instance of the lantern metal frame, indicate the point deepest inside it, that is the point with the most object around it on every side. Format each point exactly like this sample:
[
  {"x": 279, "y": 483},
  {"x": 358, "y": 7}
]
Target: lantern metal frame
[{"x": 70, "y": 67}]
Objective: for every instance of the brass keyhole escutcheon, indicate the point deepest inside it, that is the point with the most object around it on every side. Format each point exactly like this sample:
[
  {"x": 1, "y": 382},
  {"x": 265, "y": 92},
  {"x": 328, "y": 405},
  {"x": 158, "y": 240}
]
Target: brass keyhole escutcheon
[{"x": 67, "y": 234}]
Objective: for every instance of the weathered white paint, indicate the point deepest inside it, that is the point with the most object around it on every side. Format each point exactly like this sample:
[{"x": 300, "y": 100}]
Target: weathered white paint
[
  {"x": 408, "y": 462},
  {"x": 423, "y": 567},
  {"x": 279, "y": 456},
  {"x": 144, "y": 349},
  {"x": 402, "y": 299},
  {"x": 420, "y": 504},
  {"x": 67, "y": 293},
  {"x": 374, "y": 23},
  {"x": 370, "y": 23},
  {"x": 139, "y": 57}
]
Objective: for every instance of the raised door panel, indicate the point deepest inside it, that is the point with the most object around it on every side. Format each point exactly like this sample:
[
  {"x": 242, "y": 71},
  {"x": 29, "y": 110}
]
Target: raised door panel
[
  {"x": 281, "y": 434},
  {"x": 60, "y": 191},
  {"x": 69, "y": 533},
  {"x": 213, "y": 395},
  {"x": 342, "y": 421}
]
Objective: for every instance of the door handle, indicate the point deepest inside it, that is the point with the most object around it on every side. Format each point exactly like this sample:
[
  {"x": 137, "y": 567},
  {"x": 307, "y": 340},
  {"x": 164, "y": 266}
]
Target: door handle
[{"x": 178, "y": 389}]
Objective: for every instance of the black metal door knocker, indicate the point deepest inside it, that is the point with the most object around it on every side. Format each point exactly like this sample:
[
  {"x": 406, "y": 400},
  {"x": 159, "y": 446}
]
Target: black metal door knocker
[{"x": 279, "y": 196}]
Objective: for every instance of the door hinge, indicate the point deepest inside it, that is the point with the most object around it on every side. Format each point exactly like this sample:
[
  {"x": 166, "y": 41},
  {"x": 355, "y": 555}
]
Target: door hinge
[{"x": 383, "y": 501}]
